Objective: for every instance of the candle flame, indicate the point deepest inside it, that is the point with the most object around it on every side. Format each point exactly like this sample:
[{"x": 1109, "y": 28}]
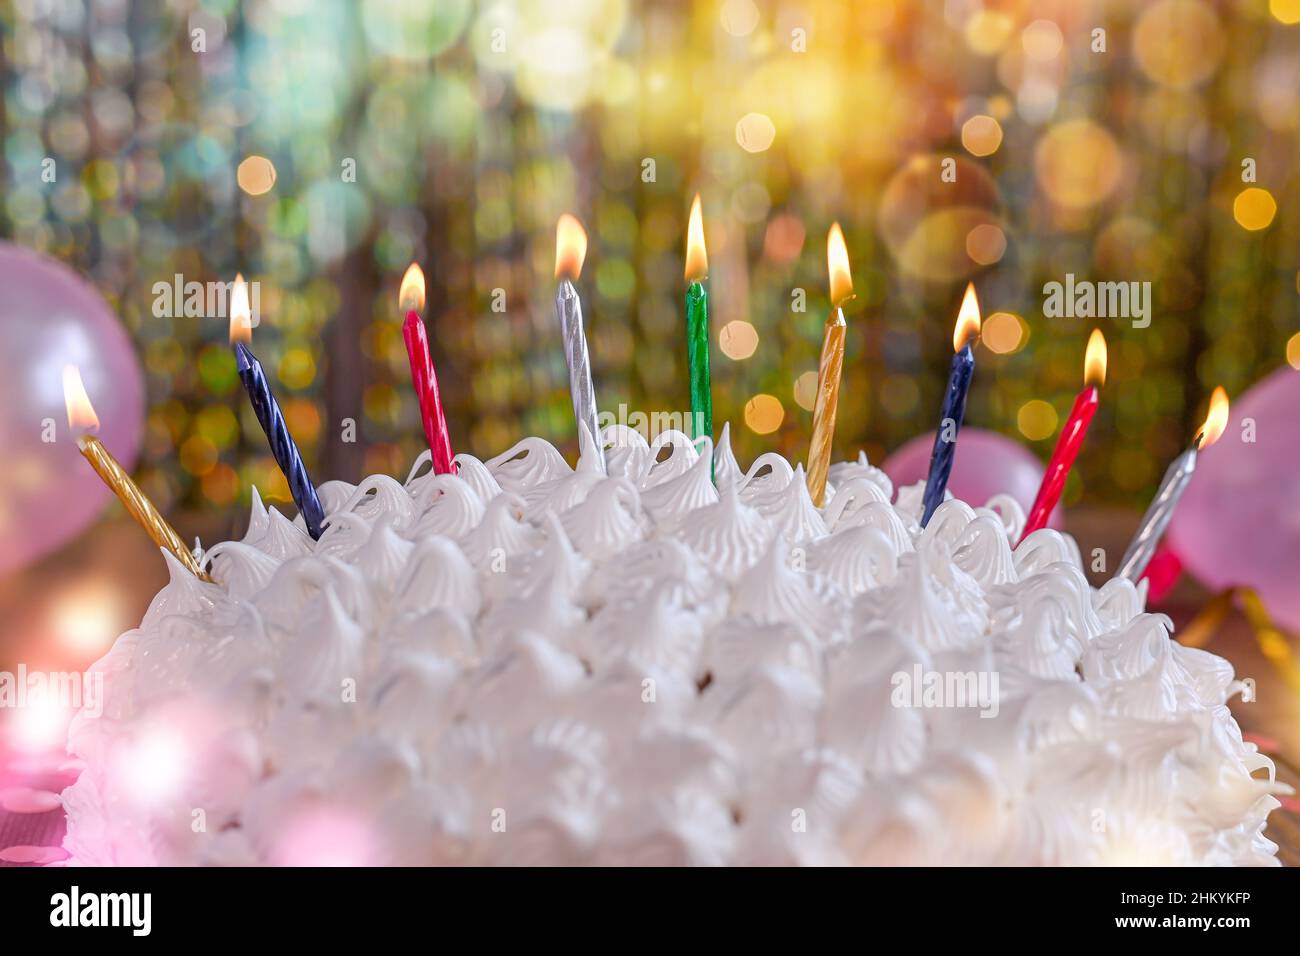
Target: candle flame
[
  {"x": 697, "y": 257},
  {"x": 837, "y": 264},
  {"x": 1094, "y": 360},
  {"x": 81, "y": 414},
  {"x": 241, "y": 316},
  {"x": 1216, "y": 420},
  {"x": 410, "y": 295},
  {"x": 968, "y": 319},
  {"x": 570, "y": 247}
]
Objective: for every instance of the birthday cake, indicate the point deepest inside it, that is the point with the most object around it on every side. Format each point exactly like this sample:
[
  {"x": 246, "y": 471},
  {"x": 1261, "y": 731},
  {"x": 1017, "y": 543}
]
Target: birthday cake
[{"x": 644, "y": 663}]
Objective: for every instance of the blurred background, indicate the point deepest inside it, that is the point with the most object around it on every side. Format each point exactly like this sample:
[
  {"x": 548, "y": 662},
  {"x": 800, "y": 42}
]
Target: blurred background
[{"x": 319, "y": 146}]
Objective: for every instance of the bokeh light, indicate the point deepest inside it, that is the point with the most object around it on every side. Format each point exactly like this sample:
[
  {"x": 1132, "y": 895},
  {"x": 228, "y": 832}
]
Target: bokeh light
[
  {"x": 764, "y": 414},
  {"x": 1003, "y": 333},
  {"x": 738, "y": 340},
  {"x": 1042, "y": 40},
  {"x": 1178, "y": 43},
  {"x": 755, "y": 132},
  {"x": 256, "y": 175},
  {"x": 1254, "y": 208},
  {"x": 805, "y": 390},
  {"x": 986, "y": 244},
  {"x": 321, "y": 153},
  {"x": 1036, "y": 419},
  {"x": 739, "y": 17},
  {"x": 981, "y": 135},
  {"x": 87, "y": 618},
  {"x": 1078, "y": 163},
  {"x": 987, "y": 31},
  {"x": 1285, "y": 11}
]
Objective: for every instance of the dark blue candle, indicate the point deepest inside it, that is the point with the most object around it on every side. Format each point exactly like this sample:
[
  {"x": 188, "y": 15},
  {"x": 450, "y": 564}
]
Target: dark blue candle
[
  {"x": 271, "y": 418},
  {"x": 954, "y": 404}
]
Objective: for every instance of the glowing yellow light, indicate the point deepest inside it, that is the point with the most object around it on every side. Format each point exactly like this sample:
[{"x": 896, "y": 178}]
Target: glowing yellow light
[
  {"x": 968, "y": 319},
  {"x": 1036, "y": 419},
  {"x": 241, "y": 316},
  {"x": 755, "y": 132},
  {"x": 1178, "y": 43},
  {"x": 1293, "y": 351},
  {"x": 1003, "y": 333},
  {"x": 805, "y": 389},
  {"x": 197, "y": 455},
  {"x": 1078, "y": 163},
  {"x": 570, "y": 247},
  {"x": 1254, "y": 208},
  {"x": 1285, "y": 11},
  {"x": 981, "y": 135},
  {"x": 986, "y": 244},
  {"x": 738, "y": 339},
  {"x": 1042, "y": 40},
  {"x": 739, "y": 17},
  {"x": 987, "y": 31},
  {"x": 410, "y": 294},
  {"x": 87, "y": 620},
  {"x": 697, "y": 257},
  {"x": 297, "y": 369},
  {"x": 256, "y": 175},
  {"x": 837, "y": 264},
  {"x": 1094, "y": 360},
  {"x": 81, "y": 414},
  {"x": 764, "y": 414},
  {"x": 1216, "y": 419}
]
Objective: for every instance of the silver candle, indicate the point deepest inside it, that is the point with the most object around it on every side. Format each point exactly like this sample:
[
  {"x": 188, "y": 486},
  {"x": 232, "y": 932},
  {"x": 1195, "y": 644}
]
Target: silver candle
[
  {"x": 1156, "y": 520},
  {"x": 1177, "y": 477},
  {"x": 570, "y": 250}
]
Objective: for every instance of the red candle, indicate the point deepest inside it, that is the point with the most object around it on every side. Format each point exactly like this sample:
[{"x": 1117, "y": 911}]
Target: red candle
[
  {"x": 423, "y": 376},
  {"x": 1071, "y": 440}
]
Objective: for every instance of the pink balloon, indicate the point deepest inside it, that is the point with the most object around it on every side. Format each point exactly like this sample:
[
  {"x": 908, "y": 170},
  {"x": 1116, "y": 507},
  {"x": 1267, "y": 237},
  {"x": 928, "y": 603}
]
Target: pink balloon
[
  {"x": 987, "y": 464},
  {"x": 51, "y": 318},
  {"x": 1239, "y": 520}
]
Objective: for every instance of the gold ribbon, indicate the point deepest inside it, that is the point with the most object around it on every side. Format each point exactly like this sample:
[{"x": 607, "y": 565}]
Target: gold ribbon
[{"x": 1272, "y": 640}]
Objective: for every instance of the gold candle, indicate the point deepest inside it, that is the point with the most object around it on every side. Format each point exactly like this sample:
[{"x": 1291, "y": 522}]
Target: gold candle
[
  {"x": 81, "y": 415},
  {"x": 830, "y": 366}
]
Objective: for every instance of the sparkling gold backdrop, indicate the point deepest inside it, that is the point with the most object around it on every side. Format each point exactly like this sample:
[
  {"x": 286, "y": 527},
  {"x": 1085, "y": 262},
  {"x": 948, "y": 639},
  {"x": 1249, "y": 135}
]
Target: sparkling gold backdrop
[{"x": 318, "y": 146}]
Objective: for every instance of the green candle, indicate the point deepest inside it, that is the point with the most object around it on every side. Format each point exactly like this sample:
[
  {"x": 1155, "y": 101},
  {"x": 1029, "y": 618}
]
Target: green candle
[{"x": 697, "y": 326}]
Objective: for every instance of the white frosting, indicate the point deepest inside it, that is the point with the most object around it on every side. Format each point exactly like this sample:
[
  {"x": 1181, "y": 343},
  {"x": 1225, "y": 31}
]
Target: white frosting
[{"x": 530, "y": 663}]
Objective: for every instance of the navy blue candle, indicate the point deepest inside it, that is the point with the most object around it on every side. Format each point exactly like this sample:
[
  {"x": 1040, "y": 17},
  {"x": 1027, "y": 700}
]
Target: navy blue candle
[
  {"x": 272, "y": 420},
  {"x": 954, "y": 404}
]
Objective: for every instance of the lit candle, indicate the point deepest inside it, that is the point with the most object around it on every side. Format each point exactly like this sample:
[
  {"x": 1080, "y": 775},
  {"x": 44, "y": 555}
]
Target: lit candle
[
  {"x": 269, "y": 415},
  {"x": 697, "y": 325},
  {"x": 964, "y": 334},
  {"x": 830, "y": 366},
  {"x": 1177, "y": 477},
  {"x": 570, "y": 251},
  {"x": 410, "y": 297},
  {"x": 1071, "y": 439},
  {"x": 82, "y": 418}
]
